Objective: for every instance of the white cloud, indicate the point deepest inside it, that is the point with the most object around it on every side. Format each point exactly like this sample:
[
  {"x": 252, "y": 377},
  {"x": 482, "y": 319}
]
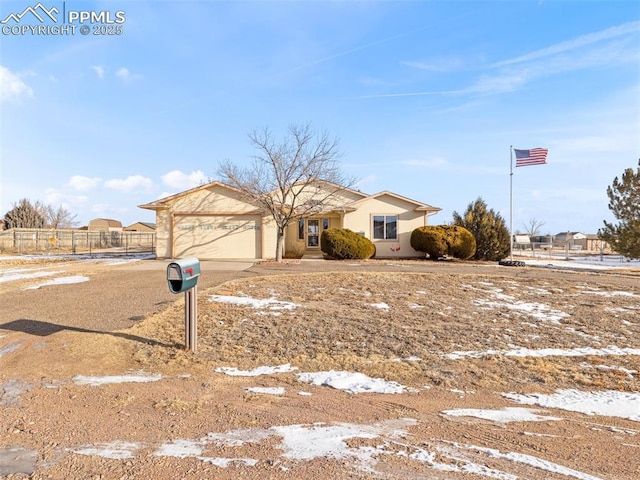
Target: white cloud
[
  {"x": 369, "y": 179},
  {"x": 99, "y": 71},
  {"x": 124, "y": 74},
  {"x": 579, "y": 42},
  {"x": 436, "y": 65},
  {"x": 82, "y": 183},
  {"x": 12, "y": 87},
  {"x": 183, "y": 181},
  {"x": 56, "y": 198},
  {"x": 133, "y": 182},
  {"x": 611, "y": 46}
]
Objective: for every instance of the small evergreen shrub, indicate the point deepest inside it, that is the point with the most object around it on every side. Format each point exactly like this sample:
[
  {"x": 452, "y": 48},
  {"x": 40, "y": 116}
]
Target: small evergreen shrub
[
  {"x": 343, "y": 244},
  {"x": 462, "y": 243},
  {"x": 444, "y": 240},
  {"x": 430, "y": 240}
]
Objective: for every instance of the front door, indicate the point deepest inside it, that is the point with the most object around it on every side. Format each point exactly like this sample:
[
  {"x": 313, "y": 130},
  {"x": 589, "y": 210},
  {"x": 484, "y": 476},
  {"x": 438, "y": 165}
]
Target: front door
[{"x": 313, "y": 233}]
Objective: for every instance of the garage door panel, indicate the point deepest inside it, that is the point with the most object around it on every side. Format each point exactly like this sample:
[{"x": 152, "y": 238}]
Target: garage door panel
[{"x": 217, "y": 236}]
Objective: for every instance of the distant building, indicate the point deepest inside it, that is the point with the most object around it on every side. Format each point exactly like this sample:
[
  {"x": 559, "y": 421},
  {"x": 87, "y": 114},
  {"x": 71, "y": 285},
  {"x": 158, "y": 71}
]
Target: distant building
[
  {"x": 542, "y": 239},
  {"x": 104, "y": 225},
  {"x": 569, "y": 237},
  {"x": 522, "y": 241},
  {"x": 145, "y": 227},
  {"x": 581, "y": 241},
  {"x": 594, "y": 244}
]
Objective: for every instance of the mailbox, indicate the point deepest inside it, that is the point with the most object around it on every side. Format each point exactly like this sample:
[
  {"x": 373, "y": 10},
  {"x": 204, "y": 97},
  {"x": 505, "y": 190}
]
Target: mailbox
[{"x": 183, "y": 274}]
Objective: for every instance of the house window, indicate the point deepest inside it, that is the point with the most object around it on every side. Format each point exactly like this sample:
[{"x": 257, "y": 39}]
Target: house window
[
  {"x": 385, "y": 227},
  {"x": 325, "y": 223},
  {"x": 301, "y": 229}
]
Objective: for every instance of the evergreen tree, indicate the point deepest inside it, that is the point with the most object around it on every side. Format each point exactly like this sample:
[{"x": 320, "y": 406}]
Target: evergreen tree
[
  {"x": 624, "y": 203},
  {"x": 25, "y": 214},
  {"x": 489, "y": 229}
]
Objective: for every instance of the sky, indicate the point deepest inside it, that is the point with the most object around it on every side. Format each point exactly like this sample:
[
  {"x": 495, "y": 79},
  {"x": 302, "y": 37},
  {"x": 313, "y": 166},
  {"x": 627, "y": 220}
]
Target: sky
[{"x": 425, "y": 98}]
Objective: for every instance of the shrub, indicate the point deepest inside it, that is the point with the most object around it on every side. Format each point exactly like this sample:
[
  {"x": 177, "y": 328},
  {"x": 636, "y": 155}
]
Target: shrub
[
  {"x": 430, "y": 240},
  {"x": 462, "y": 243},
  {"x": 343, "y": 244},
  {"x": 442, "y": 240}
]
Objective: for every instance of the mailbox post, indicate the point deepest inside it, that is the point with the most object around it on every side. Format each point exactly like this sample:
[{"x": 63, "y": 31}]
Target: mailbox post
[{"x": 182, "y": 276}]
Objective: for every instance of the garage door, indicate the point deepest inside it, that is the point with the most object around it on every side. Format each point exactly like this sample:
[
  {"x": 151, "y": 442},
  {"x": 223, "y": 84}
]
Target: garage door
[{"x": 214, "y": 237}]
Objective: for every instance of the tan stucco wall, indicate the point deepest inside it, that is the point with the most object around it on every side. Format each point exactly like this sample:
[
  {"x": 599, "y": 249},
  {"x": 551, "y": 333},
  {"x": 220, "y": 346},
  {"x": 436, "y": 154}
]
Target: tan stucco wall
[
  {"x": 163, "y": 234},
  {"x": 269, "y": 237},
  {"x": 215, "y": 198},
  {"x": 338, "y": 197},
  {"x": 408, "y": 220}
]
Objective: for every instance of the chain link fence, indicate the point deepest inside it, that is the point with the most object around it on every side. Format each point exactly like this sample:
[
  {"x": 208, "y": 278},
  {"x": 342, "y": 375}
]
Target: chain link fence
[{"x": 27, "y": 240}]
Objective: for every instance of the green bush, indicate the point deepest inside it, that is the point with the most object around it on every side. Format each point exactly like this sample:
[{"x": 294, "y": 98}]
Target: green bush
[
  {"x": 430, "y": 240},
  {"x": 343, "y": 244},
  {"x": 444, "y": 240}
]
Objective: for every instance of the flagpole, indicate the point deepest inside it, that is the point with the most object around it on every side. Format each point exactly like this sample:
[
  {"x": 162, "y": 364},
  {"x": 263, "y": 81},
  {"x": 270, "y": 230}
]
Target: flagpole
[{"x": 511, "y": 202}]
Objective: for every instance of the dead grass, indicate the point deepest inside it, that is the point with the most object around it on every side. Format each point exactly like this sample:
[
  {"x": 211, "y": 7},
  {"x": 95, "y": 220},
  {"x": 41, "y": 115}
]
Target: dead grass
[{"x": 399, "y": 326}]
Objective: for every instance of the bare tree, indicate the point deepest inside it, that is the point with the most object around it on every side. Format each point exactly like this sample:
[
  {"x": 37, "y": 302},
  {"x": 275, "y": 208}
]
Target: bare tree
[
  {"x": 533, "y": 227},
  {"x": 60, "y": 217},
  {"x": 28, "y": 214},
  {"x": 292, "y": 178}
]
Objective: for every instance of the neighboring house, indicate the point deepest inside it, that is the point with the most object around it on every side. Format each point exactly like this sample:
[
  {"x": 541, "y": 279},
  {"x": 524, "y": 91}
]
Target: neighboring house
[
  {"x": 569, "y": 240},
  {"x": 521, "y": 241},
  {"x": 104, "y": 225},
  {"x": 216, "y": 221},
  {"x": 569, "y": 237},
  {"x": 144, "y": 227}
]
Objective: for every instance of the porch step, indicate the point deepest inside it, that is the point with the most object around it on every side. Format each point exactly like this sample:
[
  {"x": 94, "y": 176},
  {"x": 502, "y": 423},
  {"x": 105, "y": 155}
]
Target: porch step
[{"x": 313, "y": 256}]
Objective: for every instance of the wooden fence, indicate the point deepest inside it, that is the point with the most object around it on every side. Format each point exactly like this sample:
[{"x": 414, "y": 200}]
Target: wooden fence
[{"x": 32, "y": 240}]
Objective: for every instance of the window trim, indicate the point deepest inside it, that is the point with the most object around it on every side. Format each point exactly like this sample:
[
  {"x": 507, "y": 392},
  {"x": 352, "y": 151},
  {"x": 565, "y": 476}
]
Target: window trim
[{"x": 384, "y": 216}]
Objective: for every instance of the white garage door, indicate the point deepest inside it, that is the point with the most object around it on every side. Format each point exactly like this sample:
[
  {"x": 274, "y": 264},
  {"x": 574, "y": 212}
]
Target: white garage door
[{"x": 216, "y": 236}]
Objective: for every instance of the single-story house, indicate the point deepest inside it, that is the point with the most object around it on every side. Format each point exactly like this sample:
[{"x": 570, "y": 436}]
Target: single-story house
[
  {"x": 569, "y": 237},
  {"x": 105, "y": 225},
  {"x": 145, "y": 227},
  {"x": 216, "y": 221}
]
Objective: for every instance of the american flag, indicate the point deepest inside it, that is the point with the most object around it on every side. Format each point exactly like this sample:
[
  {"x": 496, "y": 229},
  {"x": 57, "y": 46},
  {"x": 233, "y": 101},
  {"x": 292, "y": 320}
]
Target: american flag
[{"x": 534, "y": 156}]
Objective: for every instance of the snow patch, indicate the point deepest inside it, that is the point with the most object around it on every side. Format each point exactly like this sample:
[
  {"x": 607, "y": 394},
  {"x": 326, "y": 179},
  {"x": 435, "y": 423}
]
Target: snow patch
[
  {"x": 9, "y": 348},
  {"x": 115, "y": 450},
  {"x": 351, "y": 382},
  {"x": 609, "y": 403},
  {"x": 380, "y": 305},
  {"x": 139, "y": 377},
  {"x": 266, "y": 390},
  {"x": 612, "y": 350},
  {"x": 504, "y": 415},
  {"x": 60, "y": 281},
  {"x": 269, "y": 303}
]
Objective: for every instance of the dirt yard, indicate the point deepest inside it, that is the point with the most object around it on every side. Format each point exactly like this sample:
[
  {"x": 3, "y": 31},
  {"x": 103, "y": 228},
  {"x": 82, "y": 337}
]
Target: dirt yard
[{"x": 393, "y": 370}]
